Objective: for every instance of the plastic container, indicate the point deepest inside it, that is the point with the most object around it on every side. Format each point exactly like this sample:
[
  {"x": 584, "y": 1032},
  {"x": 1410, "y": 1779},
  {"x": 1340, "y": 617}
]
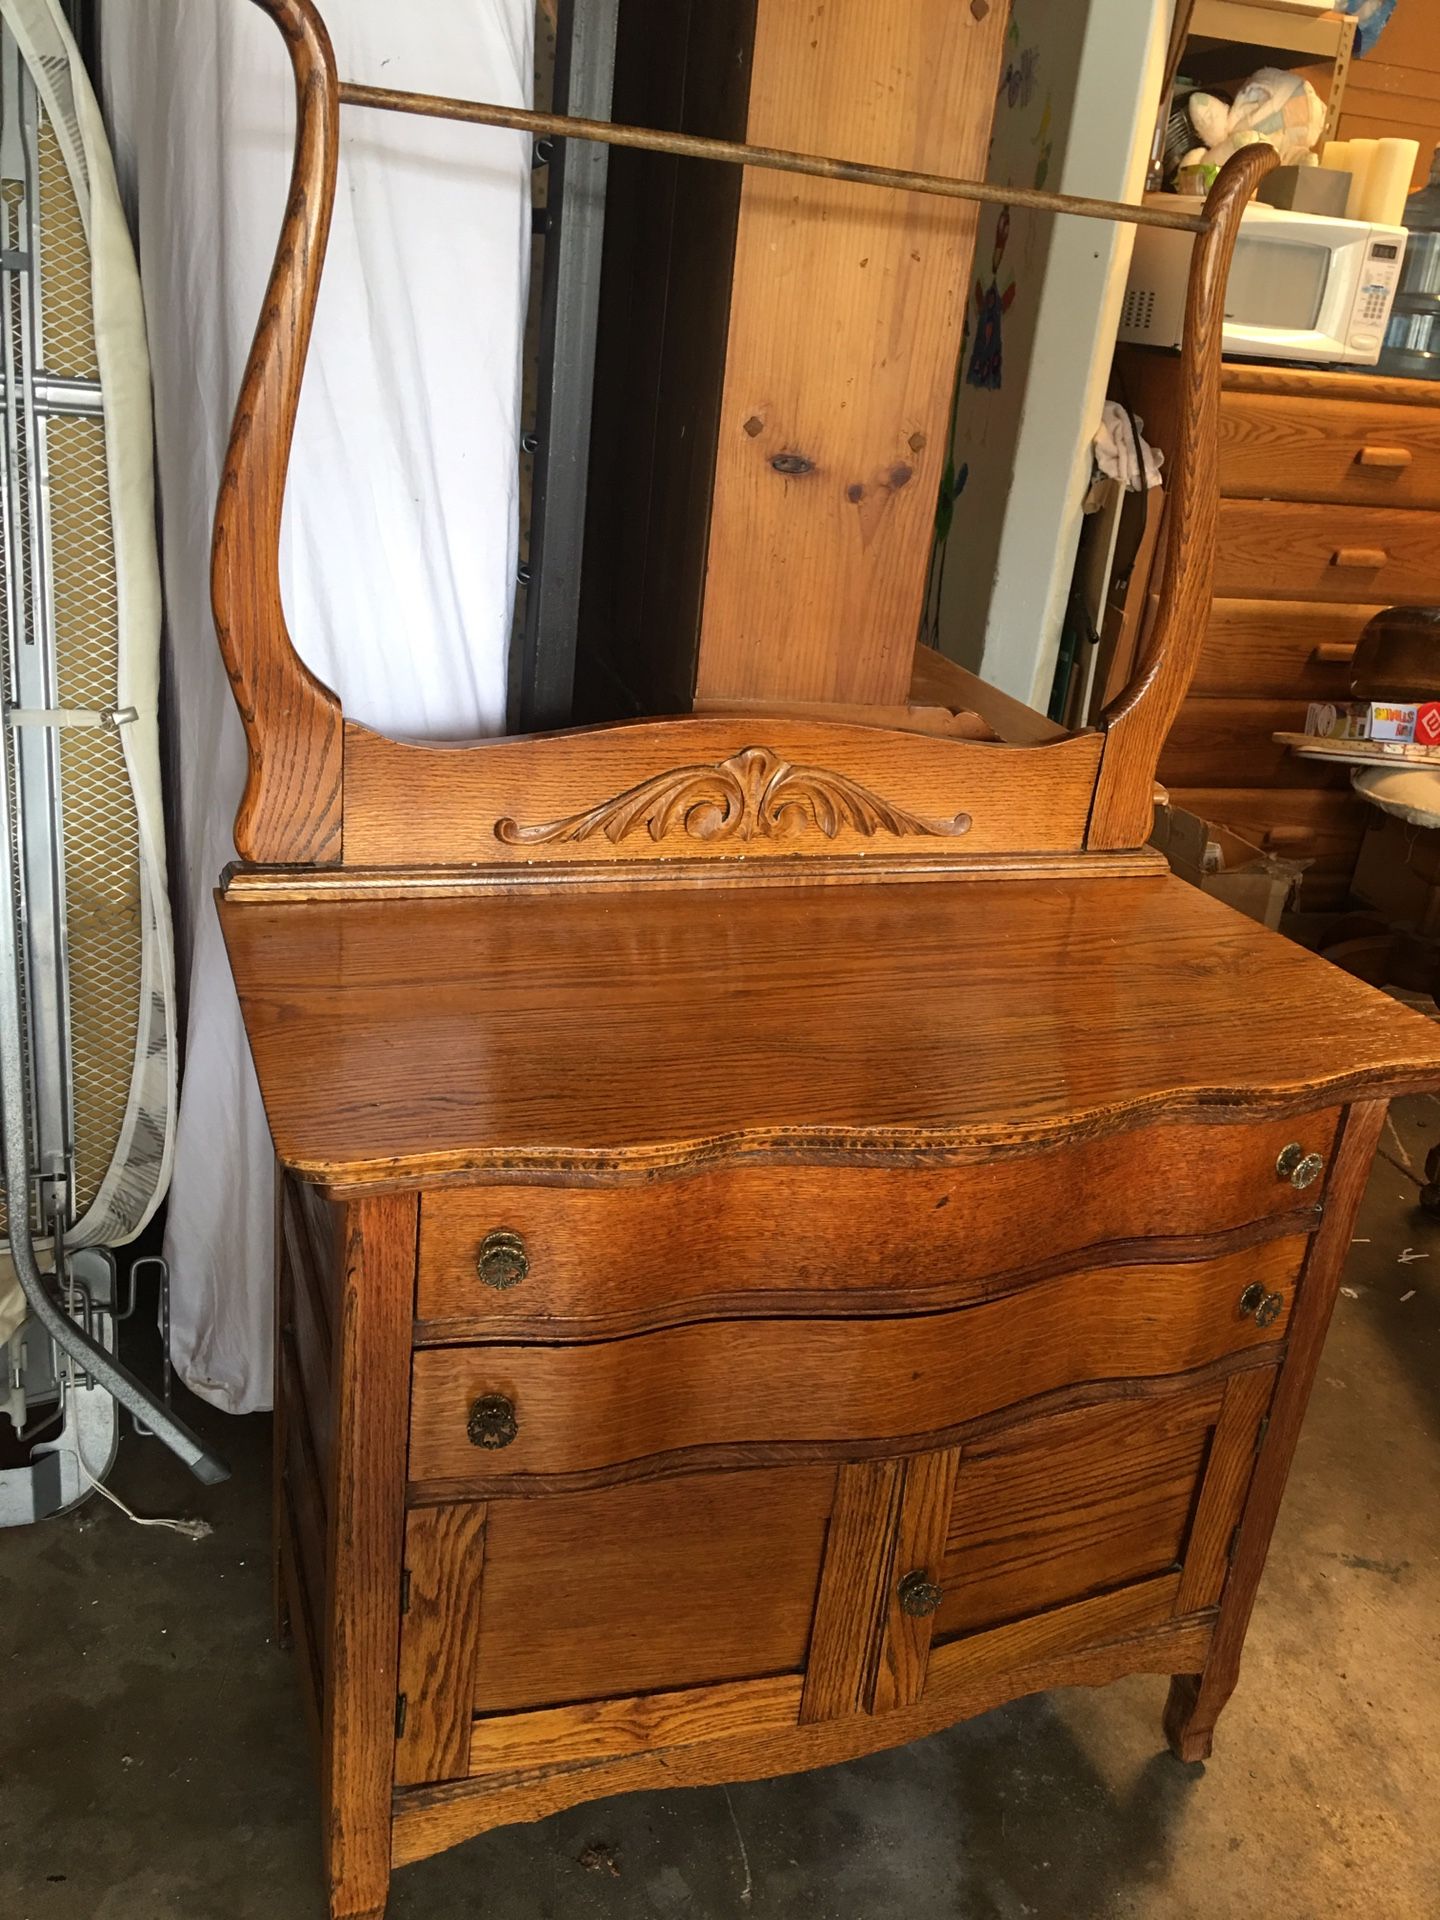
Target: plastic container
[{"x": 1412, "y": 339}]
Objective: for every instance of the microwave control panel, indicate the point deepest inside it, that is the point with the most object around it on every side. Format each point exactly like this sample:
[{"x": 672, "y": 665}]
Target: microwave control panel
[{"x": 1375, "y": 295}]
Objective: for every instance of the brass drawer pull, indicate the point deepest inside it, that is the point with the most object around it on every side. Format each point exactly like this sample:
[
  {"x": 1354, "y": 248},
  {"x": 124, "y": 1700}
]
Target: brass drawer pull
[
  {"x": 919, "y": 1596},
  {"x": 1368, "y": 558},
  {"x": 1384, "y": 456},
  {"x": 1266, "y": 1308},
  {"x": 502, "y": 1261},
  {"x": 1300, "y": 1168},
  {"x": 492, "y": 1421}
]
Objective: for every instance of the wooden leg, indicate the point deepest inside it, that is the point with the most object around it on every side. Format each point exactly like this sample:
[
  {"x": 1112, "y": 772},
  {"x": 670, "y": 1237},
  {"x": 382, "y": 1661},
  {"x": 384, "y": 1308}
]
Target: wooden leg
[
  {"x": 1196, "y": 1699},
  {"x": 367, "y": 1523}
]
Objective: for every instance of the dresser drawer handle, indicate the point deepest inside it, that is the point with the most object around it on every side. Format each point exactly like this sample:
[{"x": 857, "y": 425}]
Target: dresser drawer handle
[
  {"x": 1384, "y": 456},
  {"x": 502, "y": 1261},
  {"x": 919, "y": 1596},
  {"x": 1333, "y": 653},
  {"x": 1300, "y": 1168},
  {"x": 1367, "y": 558},
  {"x": 1266, "y": 1308},
  {"x": 492, "y": 1421}
]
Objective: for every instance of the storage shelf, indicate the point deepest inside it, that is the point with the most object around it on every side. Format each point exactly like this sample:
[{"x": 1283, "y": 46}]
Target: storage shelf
[
  {"x": 1275, "y": 29},
  {"x": 1358, "y": 753}
]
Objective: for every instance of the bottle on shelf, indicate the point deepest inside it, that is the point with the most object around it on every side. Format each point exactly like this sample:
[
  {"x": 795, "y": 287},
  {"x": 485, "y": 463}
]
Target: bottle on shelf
[{"x": 1412, "y": 339}]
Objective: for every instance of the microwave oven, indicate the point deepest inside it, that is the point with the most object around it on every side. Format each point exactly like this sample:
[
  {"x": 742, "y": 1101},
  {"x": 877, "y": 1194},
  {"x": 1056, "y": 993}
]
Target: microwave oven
[{"x": 1303, "y": 287}]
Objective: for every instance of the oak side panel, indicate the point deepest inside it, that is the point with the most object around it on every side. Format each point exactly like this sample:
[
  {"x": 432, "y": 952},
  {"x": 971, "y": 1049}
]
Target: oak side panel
[
  {"x": 439, "y": 1636},
  {"x": 904, "y": 1650},
  {"x": 845, "y": 323},
  {"x": 367, "y": 1519},
  {"x": 1223, "y": 1490},
  {"x": 1196, "y": 1699},
  {"x": 859, "y": 1557}
]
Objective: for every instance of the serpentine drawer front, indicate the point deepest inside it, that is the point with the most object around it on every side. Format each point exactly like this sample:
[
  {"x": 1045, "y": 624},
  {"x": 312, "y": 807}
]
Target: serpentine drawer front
[
  {"x": 571, "y": 1261},
  {"x": 732, "y": 1390}
]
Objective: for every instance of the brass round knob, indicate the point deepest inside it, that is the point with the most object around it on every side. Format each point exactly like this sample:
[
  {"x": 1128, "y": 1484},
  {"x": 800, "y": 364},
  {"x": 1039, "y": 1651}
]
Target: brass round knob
[
  {"x": 492, "y": 1421},
  {"x": 502, "y": 1261},
  {"x": 1265, "y": 1308},
  {"x": 1300, "y": 1168},
  {"x": 919, "y": 1596}
]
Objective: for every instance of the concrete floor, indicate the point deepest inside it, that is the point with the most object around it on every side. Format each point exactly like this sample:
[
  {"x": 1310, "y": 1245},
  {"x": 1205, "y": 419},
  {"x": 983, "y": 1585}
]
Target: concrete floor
[{"x": 154, "y": 1761}]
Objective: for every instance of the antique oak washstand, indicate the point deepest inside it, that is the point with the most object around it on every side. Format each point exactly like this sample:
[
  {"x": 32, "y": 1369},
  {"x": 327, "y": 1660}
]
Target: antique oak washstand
[{"x": 792, "y": 1231}]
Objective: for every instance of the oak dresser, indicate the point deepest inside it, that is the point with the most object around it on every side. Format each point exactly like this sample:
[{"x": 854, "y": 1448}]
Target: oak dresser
[
  {"x": 1330, "y": 511},
  {"x": 792, "y": 1231}
]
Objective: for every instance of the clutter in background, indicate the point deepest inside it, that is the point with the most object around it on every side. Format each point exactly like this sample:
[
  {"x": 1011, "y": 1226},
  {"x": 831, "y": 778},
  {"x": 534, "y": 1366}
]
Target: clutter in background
[{"x": 1120, "y": 447}]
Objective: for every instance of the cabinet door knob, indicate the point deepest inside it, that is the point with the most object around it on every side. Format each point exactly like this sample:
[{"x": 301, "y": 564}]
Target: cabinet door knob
[
  {"x": 1300, "y": 1168},
  {"x": 1265, "y": 1308},
  {"x": 502, "y": 1261},
  {"x": 492, "y": 1421},
  {"x": 919, "y": 1596}
]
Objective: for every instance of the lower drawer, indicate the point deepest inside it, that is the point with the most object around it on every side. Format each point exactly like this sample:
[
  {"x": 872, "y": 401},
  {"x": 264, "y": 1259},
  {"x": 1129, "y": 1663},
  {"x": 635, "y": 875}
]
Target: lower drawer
[
  {"x": 1222, "y": 743},
  {"x": 1292, "y": 650},
  {"x": 1294, "y": 551},
  {"x": 500, "y": 1415}
]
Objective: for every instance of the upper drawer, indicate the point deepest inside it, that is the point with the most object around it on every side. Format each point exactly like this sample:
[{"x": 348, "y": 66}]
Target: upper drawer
[
  {"x": 1279, "y": 549},
  {"x": 551, "y": 1260},
  {"x": 494, "y": 1415},
  {"x": 1283, "y": 448}
]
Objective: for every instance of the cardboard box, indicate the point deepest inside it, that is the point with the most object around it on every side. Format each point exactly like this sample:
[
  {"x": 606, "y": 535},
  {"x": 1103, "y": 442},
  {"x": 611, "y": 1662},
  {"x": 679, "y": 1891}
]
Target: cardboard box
[{"x": 1222, "y": 863}]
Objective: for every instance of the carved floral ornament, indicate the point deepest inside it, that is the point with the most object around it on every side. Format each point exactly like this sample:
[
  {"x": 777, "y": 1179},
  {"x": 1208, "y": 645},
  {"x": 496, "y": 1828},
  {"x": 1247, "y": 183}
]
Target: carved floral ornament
[{"x": 753, "y": 795}]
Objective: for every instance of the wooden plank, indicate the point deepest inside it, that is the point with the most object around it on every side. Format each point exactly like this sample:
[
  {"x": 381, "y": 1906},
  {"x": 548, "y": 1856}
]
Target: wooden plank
[
  {"x": 854, "y": 1587},
  {"x": 1060, "y": 1630},
  {"x": 1223, "y": 1490},
  {"x": 428, "y": 1819},
  {"x": 796, "y": 1389},
  {"x": 649, "y": 1723},
  {"x": 845, "y": 322},
  {"x": 903, "y": 1654},
  {"x": 439, "y": 1637},
  {"x": 367, "y": 1520},
  {"x": 1056, "y": 1509},
  {"x": 650, "y": 1588},
  {"x": 1196, "y": 1699}
]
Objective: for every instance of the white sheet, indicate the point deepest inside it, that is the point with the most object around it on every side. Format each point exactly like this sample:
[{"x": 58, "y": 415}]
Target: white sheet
[{"x": 401, "y": 522}]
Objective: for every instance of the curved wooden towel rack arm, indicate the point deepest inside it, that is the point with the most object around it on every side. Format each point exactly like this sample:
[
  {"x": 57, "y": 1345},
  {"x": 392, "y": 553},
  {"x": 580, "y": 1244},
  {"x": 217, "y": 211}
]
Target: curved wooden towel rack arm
[{"x": 293, "y": 808}]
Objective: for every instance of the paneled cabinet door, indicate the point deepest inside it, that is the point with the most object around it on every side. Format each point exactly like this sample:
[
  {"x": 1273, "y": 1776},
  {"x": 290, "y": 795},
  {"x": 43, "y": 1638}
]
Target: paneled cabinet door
[{"x": 1045, "y": 1538}]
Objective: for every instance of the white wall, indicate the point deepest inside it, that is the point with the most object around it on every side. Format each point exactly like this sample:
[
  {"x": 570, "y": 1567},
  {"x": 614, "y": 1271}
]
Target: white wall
[{"x": 1084, "y": 80}]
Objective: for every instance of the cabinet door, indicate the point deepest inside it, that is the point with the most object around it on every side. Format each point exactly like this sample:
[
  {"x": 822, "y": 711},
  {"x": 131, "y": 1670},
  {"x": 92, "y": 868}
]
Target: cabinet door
[{"x": 1047, "y": 1537}]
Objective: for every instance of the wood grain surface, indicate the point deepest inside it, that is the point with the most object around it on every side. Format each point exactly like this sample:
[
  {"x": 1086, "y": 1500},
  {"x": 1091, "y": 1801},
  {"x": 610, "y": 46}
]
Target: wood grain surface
[
  {"x": 770, "y": 1239},
  {"x": 1272, "y": 649},
  {"x": 1231, "y": 743},
  {"x": 712, "y": 788},
  {"x": 1197, "y": 1699},
  {"x": 1355, "y": 451},
  {"x": 1290, "y": 550},
  {"x": 1137, "y": 722},
  {"x": 606, "y": 1404},
  {"x": 962, "y": 1682},
  {"x": 291, "y": 809},
  {"x": 643, "y": 1589},
  {"x": 846, "y": 314},
  {"x": 597, "y": 1035},
  {"x": 439, "y": 1638},
  {"x": 855, "y": 1583}
]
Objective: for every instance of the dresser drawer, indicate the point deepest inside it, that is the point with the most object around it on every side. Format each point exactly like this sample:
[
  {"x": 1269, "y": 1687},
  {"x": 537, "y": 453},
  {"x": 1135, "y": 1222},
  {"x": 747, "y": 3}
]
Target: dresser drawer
[
  {"x": 1286, "y": 550},
  {"x": 1221, "y": 743},
  {"x": 1278, "y": 447},
  {"x": 836, "y": 1240},
  {"x": 1296, "y": 650},
  {"x": 737, "y": 1390}
]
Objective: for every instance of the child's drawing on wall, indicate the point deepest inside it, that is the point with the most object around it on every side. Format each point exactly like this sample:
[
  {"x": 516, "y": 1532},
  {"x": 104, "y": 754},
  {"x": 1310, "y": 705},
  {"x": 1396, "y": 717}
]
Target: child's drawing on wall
[{"x": 991, "y": 305}]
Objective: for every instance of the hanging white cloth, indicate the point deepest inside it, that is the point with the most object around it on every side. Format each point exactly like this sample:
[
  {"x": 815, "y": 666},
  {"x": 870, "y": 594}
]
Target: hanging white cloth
[{"x": 401, "y": 534}]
